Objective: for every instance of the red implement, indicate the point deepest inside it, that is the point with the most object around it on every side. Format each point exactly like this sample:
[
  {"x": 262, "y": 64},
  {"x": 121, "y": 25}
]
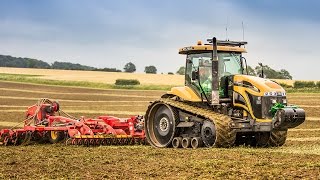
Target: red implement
[{"x": 45, "y": 122}]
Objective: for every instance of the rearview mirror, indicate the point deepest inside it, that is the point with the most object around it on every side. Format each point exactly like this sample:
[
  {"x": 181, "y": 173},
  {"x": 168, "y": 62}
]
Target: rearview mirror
[{"x": 195, "y": 75}]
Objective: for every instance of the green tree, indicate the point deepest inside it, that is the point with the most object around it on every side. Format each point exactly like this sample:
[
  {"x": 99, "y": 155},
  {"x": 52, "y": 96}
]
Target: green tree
[
  {"x": 285, "y": 74},
  {"x": 150, "y": 70},
  {"x": 181, "y": 70},
  {"x": 273, "y": 74},
  {"x": 251, "y": 71},
  {"x": 129, "y": 67}
]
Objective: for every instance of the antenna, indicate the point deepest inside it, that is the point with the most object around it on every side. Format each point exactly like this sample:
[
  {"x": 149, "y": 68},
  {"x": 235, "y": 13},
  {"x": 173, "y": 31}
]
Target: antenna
[
  {"x": 227, "y": 29},
  {"x": 243, "y": 32}
]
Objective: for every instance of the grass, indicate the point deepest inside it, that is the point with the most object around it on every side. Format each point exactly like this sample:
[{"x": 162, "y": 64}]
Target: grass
[{"x": 303, "y": 90}]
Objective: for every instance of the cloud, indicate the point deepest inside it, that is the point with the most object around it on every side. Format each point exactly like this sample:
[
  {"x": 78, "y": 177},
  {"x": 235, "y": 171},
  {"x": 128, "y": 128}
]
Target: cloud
[{"x": 109, "y": 34}]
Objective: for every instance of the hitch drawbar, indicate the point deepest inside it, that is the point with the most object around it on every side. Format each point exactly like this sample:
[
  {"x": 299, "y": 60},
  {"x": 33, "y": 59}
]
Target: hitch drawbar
[{"x": 288, "y": 117}]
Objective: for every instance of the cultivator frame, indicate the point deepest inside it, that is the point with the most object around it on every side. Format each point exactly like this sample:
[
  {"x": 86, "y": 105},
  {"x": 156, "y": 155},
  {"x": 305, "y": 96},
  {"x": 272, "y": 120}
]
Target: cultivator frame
[{"x": 46, "y": 122}]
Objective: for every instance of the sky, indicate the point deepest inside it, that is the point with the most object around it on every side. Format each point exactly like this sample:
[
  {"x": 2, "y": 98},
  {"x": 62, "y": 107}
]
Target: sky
[{"x": 281, "y": 34}]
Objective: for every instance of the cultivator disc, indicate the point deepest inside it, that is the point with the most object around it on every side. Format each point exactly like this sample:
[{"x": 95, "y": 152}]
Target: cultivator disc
[
  {"x": 106, "y": 140},
  {"x": 27, "y": 138}
]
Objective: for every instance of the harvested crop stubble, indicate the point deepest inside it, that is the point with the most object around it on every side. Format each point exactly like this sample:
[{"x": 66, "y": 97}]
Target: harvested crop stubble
[
  {"x": 44, "y": 88},
  {"x": 298, "y": 158},
  {"x": 74, "y": 97},
  {"x": 94, "y": 76},
  {"x": 158, "y": 163}
]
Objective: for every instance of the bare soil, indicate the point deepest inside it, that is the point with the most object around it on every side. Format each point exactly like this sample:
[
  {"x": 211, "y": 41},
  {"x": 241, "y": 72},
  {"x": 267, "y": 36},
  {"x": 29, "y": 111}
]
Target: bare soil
[{"x": 298, "y": 158}]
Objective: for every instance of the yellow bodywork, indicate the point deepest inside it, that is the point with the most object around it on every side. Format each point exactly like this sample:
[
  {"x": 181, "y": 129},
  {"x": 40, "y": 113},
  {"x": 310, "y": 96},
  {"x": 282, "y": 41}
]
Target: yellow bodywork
[
  {"x": 261, "y": 86},
  {"x": 185, "y": 93},
  {"x": 208, "y": 48}
]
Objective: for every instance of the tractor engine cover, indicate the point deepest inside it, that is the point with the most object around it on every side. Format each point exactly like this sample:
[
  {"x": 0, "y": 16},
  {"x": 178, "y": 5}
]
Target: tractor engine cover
[{"x": 288, "y": 118}]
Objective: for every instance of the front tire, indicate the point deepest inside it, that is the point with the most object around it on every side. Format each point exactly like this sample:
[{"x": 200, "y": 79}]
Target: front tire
[{"x": 277, "y": 138}]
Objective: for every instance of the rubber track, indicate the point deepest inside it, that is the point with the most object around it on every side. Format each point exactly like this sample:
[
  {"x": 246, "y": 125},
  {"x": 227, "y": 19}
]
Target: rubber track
[
  {"x": 277, "y": 138},
  {"x": 225, "y": 136}
]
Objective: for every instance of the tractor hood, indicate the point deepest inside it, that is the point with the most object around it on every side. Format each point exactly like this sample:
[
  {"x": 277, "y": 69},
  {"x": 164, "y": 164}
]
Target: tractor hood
[{"x": 257, "y": 85}]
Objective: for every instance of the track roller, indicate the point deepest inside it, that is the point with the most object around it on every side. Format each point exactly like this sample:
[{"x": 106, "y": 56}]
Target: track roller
[
  {"x": 176, "y": 142},
  {"x": 186, "y": 142},
  {"x": 196, "y": 142}
]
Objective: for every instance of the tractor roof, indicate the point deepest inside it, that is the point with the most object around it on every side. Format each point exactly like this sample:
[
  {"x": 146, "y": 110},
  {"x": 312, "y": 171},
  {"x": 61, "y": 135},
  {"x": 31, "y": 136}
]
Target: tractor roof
[{"x": 229, "y": 46}]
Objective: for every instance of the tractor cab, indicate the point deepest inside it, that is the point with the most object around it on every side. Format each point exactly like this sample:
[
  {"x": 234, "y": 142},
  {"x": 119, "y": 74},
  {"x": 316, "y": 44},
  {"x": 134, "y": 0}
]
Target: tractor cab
[{"x": 198, "y": 75}]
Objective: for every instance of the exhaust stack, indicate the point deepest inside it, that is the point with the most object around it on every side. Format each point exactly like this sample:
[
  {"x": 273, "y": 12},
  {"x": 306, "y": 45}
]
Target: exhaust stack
[{"x": 215, "y": 74}]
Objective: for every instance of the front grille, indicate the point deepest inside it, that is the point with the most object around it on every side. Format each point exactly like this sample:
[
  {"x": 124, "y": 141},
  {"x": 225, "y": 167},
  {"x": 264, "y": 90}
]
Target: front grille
[
  {"x": 267, "y": 104},
  {"x": 261, "y": 106}
]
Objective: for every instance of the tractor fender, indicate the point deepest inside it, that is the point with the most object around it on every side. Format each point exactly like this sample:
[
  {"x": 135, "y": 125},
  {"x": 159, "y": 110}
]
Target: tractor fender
[{"x": 185, "y": 93}]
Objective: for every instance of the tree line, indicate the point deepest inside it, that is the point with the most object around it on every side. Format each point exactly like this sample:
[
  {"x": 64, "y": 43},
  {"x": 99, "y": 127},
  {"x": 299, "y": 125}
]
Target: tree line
[
  {"x": 9, "y": 61},
  {"x": 268, "y": 72}
]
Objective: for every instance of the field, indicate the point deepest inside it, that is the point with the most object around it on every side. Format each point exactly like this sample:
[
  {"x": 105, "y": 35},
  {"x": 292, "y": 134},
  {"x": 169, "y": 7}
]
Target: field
[
  {"x": 105, "y": 77},
  {"x": 98, "y": 77},
  {"x": 298, "y": 158}
]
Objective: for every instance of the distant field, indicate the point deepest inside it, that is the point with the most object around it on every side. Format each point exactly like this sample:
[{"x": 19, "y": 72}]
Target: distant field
[
  {"x": 298, "y": 158},
  {"x": 99, "y": 77},
  {"x": 106, "y": 77}
]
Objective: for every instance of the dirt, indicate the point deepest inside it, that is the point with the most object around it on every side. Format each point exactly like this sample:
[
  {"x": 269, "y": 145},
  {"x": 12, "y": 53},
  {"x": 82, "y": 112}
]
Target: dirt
[
  {"x": 144, "y": 162},
  {"x": 298, "y": 158}
]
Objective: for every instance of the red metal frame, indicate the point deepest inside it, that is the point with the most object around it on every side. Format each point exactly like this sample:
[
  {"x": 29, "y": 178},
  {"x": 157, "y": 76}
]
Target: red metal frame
[{"x": 43, "y": 118}]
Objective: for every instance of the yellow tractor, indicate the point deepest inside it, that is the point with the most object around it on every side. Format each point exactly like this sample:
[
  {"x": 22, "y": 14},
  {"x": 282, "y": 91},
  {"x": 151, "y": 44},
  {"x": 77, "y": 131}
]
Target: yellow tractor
[{"x": 220, "y": 104}]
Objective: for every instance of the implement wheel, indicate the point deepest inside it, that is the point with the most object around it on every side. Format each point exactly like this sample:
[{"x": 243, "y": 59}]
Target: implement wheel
[
  {"x": 55, "y": 136},
  {"x": 160, "y": 124}
]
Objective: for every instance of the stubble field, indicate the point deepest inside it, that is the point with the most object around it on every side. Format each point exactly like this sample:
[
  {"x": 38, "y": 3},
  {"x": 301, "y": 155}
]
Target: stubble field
[
  {"x": 97, "y": 76},
  {"x": 298, "y": 158}
]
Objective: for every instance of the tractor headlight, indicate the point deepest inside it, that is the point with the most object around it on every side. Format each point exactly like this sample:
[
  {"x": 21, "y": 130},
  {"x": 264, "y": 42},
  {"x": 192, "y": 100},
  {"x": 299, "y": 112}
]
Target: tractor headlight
[
  {"x": 273, "y": 101},
  {"x": 274, "y": 93},
  {"x": 270, "y": 93}
]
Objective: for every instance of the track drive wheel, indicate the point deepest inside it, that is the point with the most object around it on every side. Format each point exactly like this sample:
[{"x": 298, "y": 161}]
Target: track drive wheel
[
  {"x": 208, "y": 133},
  {"x": 55, "y": 136},
  {"x": 218, "y": 133},
  {"x": 160, "y": 124},
  {"x": 277, "y": 138}
]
